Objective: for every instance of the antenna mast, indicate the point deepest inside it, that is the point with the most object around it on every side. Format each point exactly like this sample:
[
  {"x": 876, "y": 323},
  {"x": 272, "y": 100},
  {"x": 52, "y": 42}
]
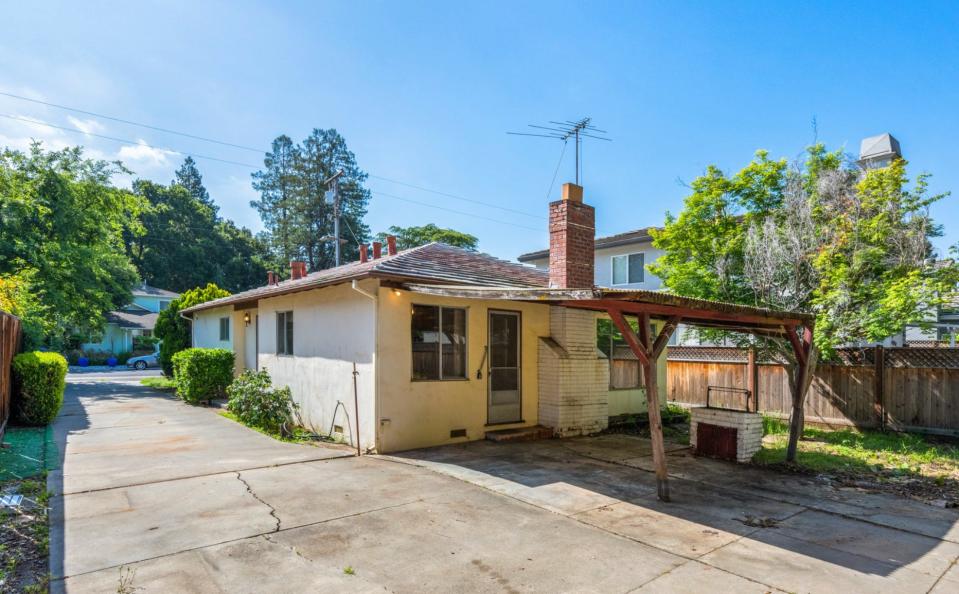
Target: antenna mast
[{"x": 564, "y": 130}]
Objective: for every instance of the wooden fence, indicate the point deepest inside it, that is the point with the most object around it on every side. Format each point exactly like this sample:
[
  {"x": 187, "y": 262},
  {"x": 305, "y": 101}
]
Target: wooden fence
[
  {"x": 9, "y": 346},
  {"x": 905, "y": 389}
]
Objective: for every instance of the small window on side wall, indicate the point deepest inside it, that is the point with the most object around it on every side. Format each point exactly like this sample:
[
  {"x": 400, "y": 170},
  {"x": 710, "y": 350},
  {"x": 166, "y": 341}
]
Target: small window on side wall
[
  {"x": 439, "y": 342},
  {"x": 224, "y": 328},
  {"x": 284, "y": 333},
  {"x": 628, "y": 269}
]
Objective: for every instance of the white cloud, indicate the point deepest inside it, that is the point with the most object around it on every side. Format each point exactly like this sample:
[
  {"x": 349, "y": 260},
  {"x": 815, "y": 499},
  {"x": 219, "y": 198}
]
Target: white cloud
[
  {"x": 145, "y": 155},
  {"x": 89, "y": 126}
]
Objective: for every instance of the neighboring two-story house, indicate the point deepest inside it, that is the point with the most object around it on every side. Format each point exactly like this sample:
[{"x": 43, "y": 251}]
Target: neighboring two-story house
[
  {"x": 136, "y": 319},
  {"x": 620, "y": 260}
]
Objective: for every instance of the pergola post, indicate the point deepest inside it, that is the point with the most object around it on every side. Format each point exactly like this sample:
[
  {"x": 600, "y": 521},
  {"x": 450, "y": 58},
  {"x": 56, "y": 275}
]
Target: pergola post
[{"x": 648, "y": 353}]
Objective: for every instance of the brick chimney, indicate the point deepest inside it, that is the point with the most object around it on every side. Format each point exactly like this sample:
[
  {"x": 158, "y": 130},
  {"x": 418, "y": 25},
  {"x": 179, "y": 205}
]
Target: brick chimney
[
  {"x": 572, "y": 230},
  {"x": 377, "y": 250},
  {"x": 297, "y": 269},
  {"x": 363, "y": 257},
  {"x": 270, "y": 278},
  {"x": 391, "y": 245}
]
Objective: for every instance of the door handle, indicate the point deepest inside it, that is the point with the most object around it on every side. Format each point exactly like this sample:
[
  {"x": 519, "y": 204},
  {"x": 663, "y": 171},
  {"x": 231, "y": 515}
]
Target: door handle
[{"x": 479, "y": 370}]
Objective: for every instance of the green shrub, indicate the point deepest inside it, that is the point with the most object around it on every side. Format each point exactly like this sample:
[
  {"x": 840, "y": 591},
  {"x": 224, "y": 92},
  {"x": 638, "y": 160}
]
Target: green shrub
[
  {"x": 202, "y": 374},
  {"x": 256, "y": 403},
  {"x": 39, "y": 379}
]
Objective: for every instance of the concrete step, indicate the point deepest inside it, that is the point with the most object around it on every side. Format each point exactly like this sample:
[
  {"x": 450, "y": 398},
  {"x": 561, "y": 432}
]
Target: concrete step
[{"x": 521, "y": 434}]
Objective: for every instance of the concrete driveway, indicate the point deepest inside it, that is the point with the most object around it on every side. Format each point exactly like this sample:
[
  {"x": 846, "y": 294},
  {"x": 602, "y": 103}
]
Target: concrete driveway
[{"x": 164, "y": 497}]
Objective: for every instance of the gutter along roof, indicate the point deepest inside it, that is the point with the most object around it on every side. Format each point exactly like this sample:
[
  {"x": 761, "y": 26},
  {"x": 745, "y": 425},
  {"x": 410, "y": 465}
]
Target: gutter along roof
[{"x": 434, "y": 263}]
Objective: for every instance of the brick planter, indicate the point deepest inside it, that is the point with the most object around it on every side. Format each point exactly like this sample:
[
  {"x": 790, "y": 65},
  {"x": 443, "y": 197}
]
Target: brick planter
[{"x": 729, "y": 434}]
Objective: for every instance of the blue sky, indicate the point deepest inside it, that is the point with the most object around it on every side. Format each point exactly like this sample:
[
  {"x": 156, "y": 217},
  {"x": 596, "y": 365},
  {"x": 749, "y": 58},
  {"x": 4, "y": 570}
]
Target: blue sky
[{"x": 424, "y": 93}]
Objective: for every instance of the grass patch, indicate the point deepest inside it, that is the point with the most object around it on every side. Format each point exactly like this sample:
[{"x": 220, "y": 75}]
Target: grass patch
[
  {"x": 300, "y": 435},
  {"x": 913, "y": 464},
  {"x": 164, "y": 384},
  {"x": 25, "y": 537}
]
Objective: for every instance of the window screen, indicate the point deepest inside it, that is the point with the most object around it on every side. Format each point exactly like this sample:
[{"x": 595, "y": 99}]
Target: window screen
[
  {"x": 438, "y": 338},
  {"x": 628, "y": 269},
  {"x": 224, "y": 328},
  {"x": 284, "y": 333}
]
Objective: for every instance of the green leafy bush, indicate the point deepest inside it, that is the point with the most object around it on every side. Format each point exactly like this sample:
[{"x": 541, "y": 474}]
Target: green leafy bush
[
  {"x": 202, "y": 374},
  {"x": 256, "y": 403},
  {"x": 173, "y": 330},
  {"x": 39, "y": 379}
]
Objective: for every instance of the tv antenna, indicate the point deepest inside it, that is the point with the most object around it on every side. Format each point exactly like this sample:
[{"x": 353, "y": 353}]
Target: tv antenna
[{"x": 564, "y": 130}]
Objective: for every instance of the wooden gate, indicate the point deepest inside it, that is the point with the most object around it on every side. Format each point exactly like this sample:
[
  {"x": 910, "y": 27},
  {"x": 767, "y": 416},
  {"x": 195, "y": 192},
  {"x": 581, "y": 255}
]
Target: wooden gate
[{"x": 9, "y": 346}]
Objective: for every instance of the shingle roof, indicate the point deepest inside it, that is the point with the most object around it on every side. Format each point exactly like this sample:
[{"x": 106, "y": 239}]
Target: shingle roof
[
  {"x": 433, "y": 263},
  {"x": 148, "y": 291},
  {"x": 625, "y": 238},
  {"x": 131, "y": 318}
]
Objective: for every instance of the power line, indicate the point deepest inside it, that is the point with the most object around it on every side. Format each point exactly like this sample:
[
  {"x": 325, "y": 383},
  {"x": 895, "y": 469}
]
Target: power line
[
  {"x": 132, "y": 123},
  {"x": 469, "y": 214},
  {"x": 214, "y": 141},
  {"x": 126, "y": 141},
  {"x": 521, "y": 212}
]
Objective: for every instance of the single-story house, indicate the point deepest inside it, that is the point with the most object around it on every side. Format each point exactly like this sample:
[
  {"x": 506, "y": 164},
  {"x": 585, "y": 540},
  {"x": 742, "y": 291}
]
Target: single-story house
[
  {"x": 136, "y": 319},
  {"x": 446, "y": 345}
]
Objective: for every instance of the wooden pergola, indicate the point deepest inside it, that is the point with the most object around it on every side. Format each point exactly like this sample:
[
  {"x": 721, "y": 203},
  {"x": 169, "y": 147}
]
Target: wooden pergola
[{"x": 793, "y": 327}]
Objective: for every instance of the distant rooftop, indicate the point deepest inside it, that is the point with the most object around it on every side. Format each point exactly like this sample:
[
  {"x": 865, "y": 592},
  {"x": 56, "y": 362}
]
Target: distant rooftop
[
  {"x": 146, "y": 290},
  {"x": 625, "y": 238},
  {"x": 879, "y": 147}
]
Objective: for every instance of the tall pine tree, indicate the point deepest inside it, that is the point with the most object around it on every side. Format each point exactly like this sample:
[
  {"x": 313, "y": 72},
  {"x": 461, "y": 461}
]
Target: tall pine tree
[
  {"x": 293, "y": 202},
  {"x": 189, "y": 177}
]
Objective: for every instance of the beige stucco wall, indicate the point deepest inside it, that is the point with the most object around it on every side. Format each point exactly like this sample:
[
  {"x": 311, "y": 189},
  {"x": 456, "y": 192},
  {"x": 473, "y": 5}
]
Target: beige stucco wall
[
  {"x": 422, "y": 413},
  {"x": 332, "y": 328}
]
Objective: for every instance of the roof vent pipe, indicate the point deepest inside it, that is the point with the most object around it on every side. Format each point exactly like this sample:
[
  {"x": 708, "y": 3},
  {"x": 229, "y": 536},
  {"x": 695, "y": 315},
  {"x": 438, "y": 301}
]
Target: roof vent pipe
[
  {"x": 377, "y": 250},
  {"x": 363, "y": 257},
  {"x": 391, "y": 245}
]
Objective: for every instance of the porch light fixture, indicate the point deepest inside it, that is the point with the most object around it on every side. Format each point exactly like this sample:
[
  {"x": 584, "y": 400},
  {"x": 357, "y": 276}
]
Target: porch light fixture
[{"x": 246, "y": 318}]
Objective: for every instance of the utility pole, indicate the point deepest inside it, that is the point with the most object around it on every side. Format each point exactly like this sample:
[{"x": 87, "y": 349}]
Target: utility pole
[{"x": 335, "y": 181}]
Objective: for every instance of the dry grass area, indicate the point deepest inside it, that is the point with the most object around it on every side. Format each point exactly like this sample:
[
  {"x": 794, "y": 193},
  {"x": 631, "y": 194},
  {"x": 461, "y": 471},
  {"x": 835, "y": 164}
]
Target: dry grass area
[
  {"x": 25, "y": 538},
  {"x": 920, "y": 466}
]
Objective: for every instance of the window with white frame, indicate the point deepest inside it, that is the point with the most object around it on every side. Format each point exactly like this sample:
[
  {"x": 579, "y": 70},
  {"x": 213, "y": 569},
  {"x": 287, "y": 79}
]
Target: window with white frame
[
  {"x": 225, "y": 328},
  {"x": 628, "y": 268},
  {"x": 284, "y": 333}
]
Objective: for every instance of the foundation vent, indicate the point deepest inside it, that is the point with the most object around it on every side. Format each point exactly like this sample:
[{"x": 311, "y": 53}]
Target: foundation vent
[{"x": 458, "y": 433}]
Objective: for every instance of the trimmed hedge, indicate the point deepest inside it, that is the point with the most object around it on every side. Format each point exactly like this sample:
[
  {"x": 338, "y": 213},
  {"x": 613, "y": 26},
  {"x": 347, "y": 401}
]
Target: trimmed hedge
[
  {"x": 202, "y": 374},
  {"x": 39, "y": 379}
]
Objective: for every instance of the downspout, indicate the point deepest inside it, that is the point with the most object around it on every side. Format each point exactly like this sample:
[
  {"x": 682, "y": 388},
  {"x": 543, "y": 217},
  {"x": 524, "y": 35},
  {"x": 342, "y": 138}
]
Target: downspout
[
  {"x": 376, "y": 338},
  {"x": 192, "y": 329}
]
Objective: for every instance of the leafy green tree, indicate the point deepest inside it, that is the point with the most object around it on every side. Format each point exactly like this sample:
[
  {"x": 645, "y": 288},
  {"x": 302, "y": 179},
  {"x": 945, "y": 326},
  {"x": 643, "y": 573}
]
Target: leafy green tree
[
  {"x": 178, "y": 249},
  {"x": 185, "y": 243},
  {"x": 409, "y": 237},
  {"x": 850, "y": 246},
  {"x": 189, "y": 177},
  {"x": 293, "y": 204},
  {"x": 173, "y": 330},
  {"x": 62, "y": 224}
]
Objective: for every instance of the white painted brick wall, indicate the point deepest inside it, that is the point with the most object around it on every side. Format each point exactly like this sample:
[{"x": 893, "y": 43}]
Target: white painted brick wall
[
  {"x": 748, "y": 425},
  {"x": 573, "y": 382}
]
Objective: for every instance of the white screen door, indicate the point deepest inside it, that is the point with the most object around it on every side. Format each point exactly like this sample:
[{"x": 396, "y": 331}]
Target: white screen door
[{"x": 504, "y": 367}]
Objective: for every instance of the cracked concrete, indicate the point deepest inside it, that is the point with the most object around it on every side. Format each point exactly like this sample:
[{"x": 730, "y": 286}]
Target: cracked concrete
[
  {"x": 185, "y": 500},
  {"x": 249, "y": 490}
]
